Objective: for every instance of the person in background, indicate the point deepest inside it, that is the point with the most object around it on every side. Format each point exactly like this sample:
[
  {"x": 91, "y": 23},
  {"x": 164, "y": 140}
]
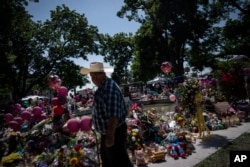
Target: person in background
[
  {"x": 109, "y": 117},
  {"x": 127, "y": 97}
]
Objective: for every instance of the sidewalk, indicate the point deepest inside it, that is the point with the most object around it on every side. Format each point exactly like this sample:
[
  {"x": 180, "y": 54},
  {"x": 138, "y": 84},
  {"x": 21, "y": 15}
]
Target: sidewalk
[{"x": 215, "y": 141}]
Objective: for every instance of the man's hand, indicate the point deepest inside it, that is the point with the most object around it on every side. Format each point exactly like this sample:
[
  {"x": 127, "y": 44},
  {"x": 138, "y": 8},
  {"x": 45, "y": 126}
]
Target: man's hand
[
  {"x": 109, "y": 140},
  {"x": 110, "y": 134}
]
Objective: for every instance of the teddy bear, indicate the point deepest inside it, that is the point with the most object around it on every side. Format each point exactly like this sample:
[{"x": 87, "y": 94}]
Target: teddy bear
[
  {"x": 140, "y": 158},
  {"x": 189, "y": 148}
]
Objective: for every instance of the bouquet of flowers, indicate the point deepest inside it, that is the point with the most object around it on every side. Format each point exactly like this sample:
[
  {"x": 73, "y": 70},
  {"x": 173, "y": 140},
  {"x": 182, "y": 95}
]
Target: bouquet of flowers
[
  {"x": 134, "y": 110},
  {"x": 187, "y": 93},
  {"x": 231, "y": 82},
  {"x": 135, "y": 141},
  {"x": 70, "y": 156}
]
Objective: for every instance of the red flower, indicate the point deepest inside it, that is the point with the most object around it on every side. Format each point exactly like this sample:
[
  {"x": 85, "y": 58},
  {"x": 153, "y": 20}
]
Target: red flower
[{"x": 77, "y": 147}]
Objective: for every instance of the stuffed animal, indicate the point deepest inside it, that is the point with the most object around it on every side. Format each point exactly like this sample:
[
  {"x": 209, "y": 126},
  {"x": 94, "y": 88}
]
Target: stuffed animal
[
  {"x": 149, "y": 152},
  {"x": 175, "y": 146},
  {"x": 242, "y": 115},
  {"x": 190, "y": 148},
  {"x": 140, "y": 158}
]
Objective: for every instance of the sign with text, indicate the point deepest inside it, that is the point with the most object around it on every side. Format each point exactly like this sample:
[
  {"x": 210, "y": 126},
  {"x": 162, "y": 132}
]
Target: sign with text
[{"x": 239, "y": 158}]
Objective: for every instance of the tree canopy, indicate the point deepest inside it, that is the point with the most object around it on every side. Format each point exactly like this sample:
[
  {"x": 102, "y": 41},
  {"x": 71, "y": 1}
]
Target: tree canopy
[
  {"x": 198, "y": 32},
  {"x": 32, "y": 51}
]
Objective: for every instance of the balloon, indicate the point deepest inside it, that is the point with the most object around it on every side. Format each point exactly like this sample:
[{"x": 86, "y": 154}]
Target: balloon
[
  {"x": 86, "y": 123},
  {"x": 73, "y": 125},
  {"x": 42, "y": 117},
  {"x": 37, "y": 111},
  {"x": 14, "y": 125},
  {"x": 62, "y": 91},
  {"x": 26, "y": 115},
  {"x": 54, "y": 101},
  {"x": 166, "y": 67},
  {"x": 18, "y": 106},
  {"x": 8, "y": 117},
  {"x": 19, "y": 120},
  {"x": 172, "y": 97},
  {"x": 32, "y": 118},
  {"x": 62, "y": 100},
  {"x": 54, "y": 82},
  {"x": 58, "y": 110}
]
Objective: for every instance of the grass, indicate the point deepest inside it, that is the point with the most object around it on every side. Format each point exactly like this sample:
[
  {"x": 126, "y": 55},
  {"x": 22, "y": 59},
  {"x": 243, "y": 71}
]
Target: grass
[{"x": 221, "y": 157}]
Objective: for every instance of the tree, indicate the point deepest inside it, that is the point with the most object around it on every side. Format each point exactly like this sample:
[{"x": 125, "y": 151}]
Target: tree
[
  {"x": 236, "y": 31},
  {"x": 65, "y": 37},
  {"x": 117, "y": 50},
  {"x": 169, "y": 31},
  {"x": 31, "y": 51},
  {"x": 15, "y": 35}
]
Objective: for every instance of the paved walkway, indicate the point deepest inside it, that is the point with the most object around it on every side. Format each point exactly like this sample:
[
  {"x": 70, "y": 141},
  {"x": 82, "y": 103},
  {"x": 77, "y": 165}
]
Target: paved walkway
[{"x": 216, "y": 140}]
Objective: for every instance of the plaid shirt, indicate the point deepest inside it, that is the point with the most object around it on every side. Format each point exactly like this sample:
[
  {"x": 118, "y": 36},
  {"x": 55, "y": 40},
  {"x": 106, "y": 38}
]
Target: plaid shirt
[{"x": 108, "y": 102}]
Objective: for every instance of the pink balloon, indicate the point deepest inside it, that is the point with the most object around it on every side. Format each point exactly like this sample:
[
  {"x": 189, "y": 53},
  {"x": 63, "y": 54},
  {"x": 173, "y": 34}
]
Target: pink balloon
[
  {"x": 26, "y": 115},
  {"x": 14, "y": 125},
  {"x": 86, "y": 123},
  {"x": 62, "y": 100},
  {"x": 32, "y": 118},
  {"x": 19, "y": 120},
  {"x": 8, "y": 117},
  {"x": 166, "y": 67},
  {"x": 54, "y": 101},
  {"x": 54, "y": 82},
  {"x": 18, "y": 106},
  {"x": 37, "y": 111},
  {"x": 172, "y": 97},
  {"x": 73, "y": 125},
  {"x": 42, "y": 117},
  {"x": 62, "y": 91}
]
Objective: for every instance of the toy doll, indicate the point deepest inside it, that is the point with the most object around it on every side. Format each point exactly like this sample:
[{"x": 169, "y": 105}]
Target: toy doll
[{"x": 140, "y": 158}]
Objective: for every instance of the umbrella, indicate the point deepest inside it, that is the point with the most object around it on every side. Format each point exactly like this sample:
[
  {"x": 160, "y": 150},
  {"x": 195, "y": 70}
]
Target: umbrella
[
  {"x": 158, "y": 80},
  {"x": 240, "y": 59}
]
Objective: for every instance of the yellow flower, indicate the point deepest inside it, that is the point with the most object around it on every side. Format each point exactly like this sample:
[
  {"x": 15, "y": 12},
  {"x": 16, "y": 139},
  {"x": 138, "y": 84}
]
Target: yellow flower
[
  {"x": 11, "y": 158},
  {"x": 80, "y": 153},
  {"x": 133, "y": 133},
  {"x": 179, "y": 118},
  {"x": 74, "y": 161}
]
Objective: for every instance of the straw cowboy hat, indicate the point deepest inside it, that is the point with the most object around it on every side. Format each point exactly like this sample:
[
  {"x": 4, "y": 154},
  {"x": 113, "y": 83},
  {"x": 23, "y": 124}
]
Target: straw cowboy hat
[{"x": 95, "y": 67}]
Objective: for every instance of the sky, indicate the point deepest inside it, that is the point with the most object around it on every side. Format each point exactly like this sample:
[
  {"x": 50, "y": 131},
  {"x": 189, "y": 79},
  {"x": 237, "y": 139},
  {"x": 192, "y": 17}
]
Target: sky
[{"x": 99, "y": 13}]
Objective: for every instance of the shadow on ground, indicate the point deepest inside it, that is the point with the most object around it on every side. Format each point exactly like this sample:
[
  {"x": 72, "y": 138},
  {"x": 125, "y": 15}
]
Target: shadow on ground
[{"x": 214, "y": 140}]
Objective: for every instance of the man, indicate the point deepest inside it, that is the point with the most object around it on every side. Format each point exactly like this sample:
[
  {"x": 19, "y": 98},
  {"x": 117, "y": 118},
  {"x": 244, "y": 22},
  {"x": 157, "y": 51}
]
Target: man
[{"x": 109, "y": 114}]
